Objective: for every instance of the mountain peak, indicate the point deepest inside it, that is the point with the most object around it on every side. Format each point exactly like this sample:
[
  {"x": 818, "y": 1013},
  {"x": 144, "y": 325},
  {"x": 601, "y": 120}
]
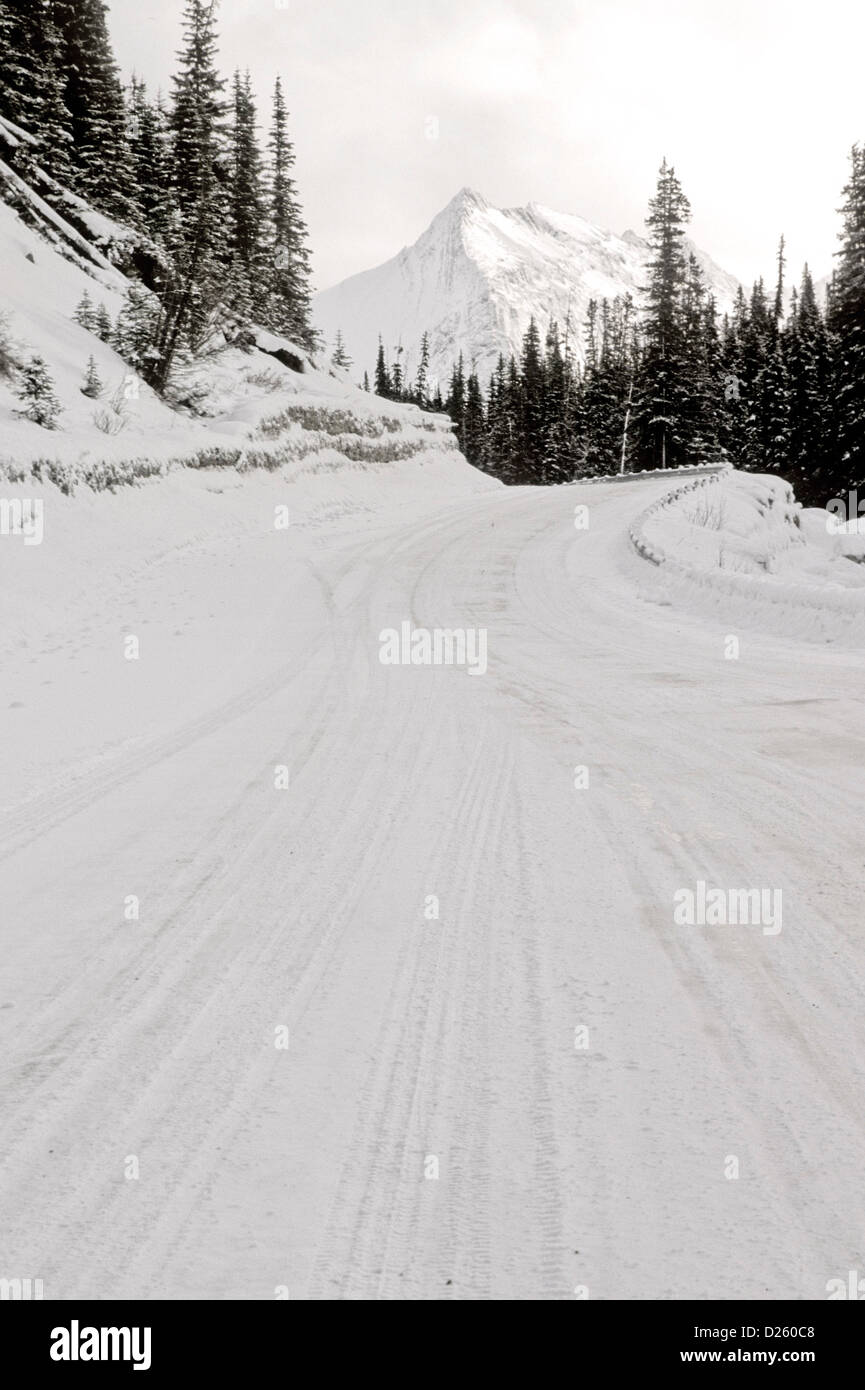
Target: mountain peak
[
  {"x": 478, "y": 274},
  {"x": 466, "y": 200}
]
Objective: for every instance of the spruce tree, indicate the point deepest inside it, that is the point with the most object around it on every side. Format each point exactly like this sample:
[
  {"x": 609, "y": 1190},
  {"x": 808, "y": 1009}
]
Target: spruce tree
[
  {"x": 473, "y": 423},
  {"x": 200, "y": 174},
  {"x": 847, "y": 324},
  {"x": 102, "y": 325},
  {"x": 339, "y": 356},
  {"x": 382, "y": 375},
  {"x": 93, "y": 96},
  {"x": 36, "y": 390},
  {"x": 84, "y": 312},
  {"x": 154, "y": 210},
  {"x": 661, "y": 414},
  {"x": 813, "y": 433},
  {"x": 532, "y": 417},
  {"x": 32, "y": 82},
  {"x": 422, "y": 375},
  {"x": 290, "y": 293},
  {"x": 92, "y": 381},
  {"x": 247, "y": 213},
  {"x": 456, "y": 400}
]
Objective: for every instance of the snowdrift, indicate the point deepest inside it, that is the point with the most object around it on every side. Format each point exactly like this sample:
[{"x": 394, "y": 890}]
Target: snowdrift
[{"x": 738, "y": 545}]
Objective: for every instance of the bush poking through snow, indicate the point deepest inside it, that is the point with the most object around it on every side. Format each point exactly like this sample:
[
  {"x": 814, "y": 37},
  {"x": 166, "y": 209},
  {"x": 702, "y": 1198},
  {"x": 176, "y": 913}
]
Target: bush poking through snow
[
  {"x": 36, "y": 390},
  {"x": 115, "y": 417}
]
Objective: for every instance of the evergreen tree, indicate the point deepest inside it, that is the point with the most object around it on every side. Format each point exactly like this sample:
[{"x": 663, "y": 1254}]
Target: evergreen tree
[
  {"x": 382, "y": 375},
  {"x": 847, "y": 323},
  {"x": 339, "y": 356},
  {"x": 102, "y": 325},
  {"x": 36, "y": 390},
  {"x": 135, "y": 332},
  {"x": 247, "y": 214},
  {"x": 660, "y": 415},
  {"x": 84, "y": 313},
  {"x": 532, "y": 414},
  {"x": 456, "y": 400},
  {"x": 422, "y": 376},
  {"x": 92, "y": 381},
  {"x": 290, "y": 293},
  {"x": 473, "y": 423},
  {"x": 200, "y": 174},
  {"x": 31, "y": 84},
  {"x": 396, "y": 383},
  {"x": 93, "y": 96},
  {"x": 811, "y": 446},
  {"x": 152, "y": 176}
]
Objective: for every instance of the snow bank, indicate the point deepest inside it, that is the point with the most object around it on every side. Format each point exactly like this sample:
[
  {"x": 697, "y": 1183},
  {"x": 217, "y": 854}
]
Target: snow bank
[{"x": 738, "y": 545}]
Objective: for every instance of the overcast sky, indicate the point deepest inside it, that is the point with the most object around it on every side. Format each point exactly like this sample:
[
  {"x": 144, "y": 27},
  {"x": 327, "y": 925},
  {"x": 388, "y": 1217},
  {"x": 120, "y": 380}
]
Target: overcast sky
[{"x": 396, "y": 104}]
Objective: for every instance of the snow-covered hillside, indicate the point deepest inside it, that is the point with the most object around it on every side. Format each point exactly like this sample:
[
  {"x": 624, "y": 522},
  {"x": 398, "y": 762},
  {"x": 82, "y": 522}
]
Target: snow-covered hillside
[
  {"x": 260, "y": 405},
  {"x": 476, "y": 276}
]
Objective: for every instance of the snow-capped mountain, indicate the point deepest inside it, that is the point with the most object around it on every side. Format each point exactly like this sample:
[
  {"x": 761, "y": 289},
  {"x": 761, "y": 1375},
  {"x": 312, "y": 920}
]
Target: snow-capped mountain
[{"x": 476, "y": 276}]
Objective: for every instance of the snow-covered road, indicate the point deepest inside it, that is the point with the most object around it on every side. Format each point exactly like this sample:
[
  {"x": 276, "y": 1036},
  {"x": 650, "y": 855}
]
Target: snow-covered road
[{"x": 548, "y": 1088}]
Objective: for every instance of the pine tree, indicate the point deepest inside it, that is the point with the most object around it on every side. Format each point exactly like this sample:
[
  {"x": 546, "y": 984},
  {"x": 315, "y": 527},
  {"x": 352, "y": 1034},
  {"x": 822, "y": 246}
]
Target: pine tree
[
  {"x": 102, "y": 325},
  {"x": 84, "y": 313},
  {"x": 201, "y": 176},
  {"x": 422, "y": 377},
  {"x": 847, "y": 324},
  {"x": 660, "y": 415},
  {"x": 31, "y": 83},
  {"x": 93, "y": 96},
  {"x": 290, "y": 293},
  {"x": 152, "y": 177},
  {"x": 778, "y": 312},
  {"x": 382, "y": 375},
  {"x": 812, "y": 441},
  {"x": 396, "y": 383},
  {"x": 135, "y": 332},
  {"x": 92, "y": 381},
  {"x": 532, "y": 416},
  {"x": 366, "y": 381},
  {"x": 339, "y": 356},
  {"x": 36, "y": 390},
  {"x": 456, "y": 400},
  {"x": 473, "y": 423},
  {"x": 247, "y": 213}
]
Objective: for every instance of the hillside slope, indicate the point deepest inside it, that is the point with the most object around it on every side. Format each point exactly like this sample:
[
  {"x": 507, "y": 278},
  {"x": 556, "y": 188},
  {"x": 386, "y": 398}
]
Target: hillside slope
[{"x": 262, "y": 404}]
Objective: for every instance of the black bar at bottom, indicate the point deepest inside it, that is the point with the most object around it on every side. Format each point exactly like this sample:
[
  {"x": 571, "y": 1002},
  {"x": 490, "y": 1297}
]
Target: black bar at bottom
[{"x": 218, "y": 1339}]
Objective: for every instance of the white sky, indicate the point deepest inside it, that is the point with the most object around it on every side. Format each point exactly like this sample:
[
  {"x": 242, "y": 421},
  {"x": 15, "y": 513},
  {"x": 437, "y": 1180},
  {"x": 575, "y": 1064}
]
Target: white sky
[{"x": 571, "y": 103}]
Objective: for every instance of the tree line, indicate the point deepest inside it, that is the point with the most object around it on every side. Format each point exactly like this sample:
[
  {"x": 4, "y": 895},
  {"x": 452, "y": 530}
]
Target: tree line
[
  {"x": 775, "y": 386},
  {"x": 216, "y": 206}
]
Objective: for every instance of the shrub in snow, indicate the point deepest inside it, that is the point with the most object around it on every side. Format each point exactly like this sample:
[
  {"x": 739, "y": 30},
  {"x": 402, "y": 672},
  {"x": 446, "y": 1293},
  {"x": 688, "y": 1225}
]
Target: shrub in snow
[{"x": 36, "y": 390}]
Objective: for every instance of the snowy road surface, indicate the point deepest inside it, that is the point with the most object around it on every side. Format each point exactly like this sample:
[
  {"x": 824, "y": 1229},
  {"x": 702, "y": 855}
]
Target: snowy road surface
[{"x": 583, "y": 1074}]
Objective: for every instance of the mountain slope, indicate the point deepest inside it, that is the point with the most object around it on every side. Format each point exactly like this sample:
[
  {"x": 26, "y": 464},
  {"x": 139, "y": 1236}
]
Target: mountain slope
[
  {"x": 475, "y": 277},
  {"x": 253, "y": 402}
]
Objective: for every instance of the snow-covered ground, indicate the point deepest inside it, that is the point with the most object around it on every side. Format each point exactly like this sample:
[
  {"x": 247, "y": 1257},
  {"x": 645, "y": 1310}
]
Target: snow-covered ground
[{"x": 547, "y": 1087}]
